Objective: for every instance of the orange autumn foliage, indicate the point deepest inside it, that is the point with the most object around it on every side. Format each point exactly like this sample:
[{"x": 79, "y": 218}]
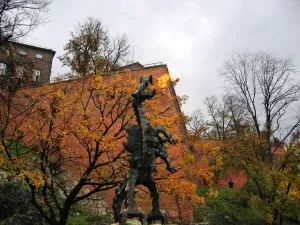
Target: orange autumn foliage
[{"x": 70, "y": 136}]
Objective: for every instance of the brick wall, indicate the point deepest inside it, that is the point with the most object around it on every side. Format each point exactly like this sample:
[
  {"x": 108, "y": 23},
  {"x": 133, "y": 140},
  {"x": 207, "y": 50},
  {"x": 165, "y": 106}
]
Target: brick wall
[{"x": 73, "y": 148}]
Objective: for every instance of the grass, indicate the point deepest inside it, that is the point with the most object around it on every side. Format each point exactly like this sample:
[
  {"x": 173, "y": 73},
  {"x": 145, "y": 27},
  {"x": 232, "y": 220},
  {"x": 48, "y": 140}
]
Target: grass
[
  {"x": 77, "y": 220},
  {"x": 89, "y": 220}
]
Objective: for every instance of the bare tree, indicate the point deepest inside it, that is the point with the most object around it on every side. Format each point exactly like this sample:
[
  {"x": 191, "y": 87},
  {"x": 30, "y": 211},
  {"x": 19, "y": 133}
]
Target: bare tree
[
  {"x": 18, "y": 17},
  {"x": 239, "y": 118},
  {"x": 90, "y": 50},
  {"x": 196, "y": 123},
  {"x": 267, "y": 90},
  {"x": 225, "y": 118},
  {"x": 220, "y": 119}
]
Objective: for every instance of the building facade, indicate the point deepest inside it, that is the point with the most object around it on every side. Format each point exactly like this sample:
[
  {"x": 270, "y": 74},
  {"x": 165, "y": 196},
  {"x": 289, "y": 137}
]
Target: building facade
[{"x": 37, "y": 60}]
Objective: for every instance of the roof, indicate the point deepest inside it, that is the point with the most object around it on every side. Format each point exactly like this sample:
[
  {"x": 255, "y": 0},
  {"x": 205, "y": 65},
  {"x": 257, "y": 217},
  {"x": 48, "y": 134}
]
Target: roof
[
  {"x": 132, "y": 66},
  {"x": 33, "y": 47}
]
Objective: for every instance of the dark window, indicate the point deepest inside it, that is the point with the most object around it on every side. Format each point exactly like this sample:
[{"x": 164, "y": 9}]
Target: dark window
[
  {"x": 38, "y": 56},
  {"x": 36, "y": 75},
  {"x": 22, "y": 52}
]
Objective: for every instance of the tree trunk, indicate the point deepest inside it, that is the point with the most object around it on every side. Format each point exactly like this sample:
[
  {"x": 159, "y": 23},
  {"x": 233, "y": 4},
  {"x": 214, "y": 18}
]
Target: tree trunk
[
  {"x": 179, "y": 210},
  {"x": 275, "y": 216}
]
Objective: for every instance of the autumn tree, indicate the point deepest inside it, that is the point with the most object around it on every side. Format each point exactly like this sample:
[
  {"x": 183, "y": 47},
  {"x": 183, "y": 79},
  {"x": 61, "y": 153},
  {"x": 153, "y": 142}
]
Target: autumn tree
[
  {"x": 67, "y": 125},
  {"x": 65, "y": 140},
  {"x": 273, "y": 186},
  {"x": 62, "y": 138},
  {"x": 91, "y": 51},
  {"x": 267, "y": 91},
  {"x": 17, "y": 74},
  {"x": 19, "y": 17},
  {"x": 182, "y": 186}
]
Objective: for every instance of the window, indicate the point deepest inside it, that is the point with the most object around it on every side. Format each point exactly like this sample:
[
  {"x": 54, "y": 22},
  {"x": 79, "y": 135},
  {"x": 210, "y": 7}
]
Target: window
[
  {"x": 2, "y": 69},
  {"x": 36, "y": 75},
  {"x": 19, "y": 72},
  {"x": 38, "y": 56},
  {"x": 22, "y": 52}
]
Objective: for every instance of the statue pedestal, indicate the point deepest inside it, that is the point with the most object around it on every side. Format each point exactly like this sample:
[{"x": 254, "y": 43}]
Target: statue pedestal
[
  {"x": 158, "y": 222},
  {"x": 136, "y": 221},
  {"x": 133, "y": 217},
  {"x": 133, "y": 221},
  {"x": 138, "y": 217},
  {"x": 159, "y": 217}
]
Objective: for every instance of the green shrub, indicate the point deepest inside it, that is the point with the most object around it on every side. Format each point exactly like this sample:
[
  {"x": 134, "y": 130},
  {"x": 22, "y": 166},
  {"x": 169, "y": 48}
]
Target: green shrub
[{"x": 231, "y": 207}]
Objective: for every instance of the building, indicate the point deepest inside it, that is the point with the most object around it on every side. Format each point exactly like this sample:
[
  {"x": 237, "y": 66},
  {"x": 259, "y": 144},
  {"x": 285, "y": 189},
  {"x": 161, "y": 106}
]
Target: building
[{"x": 37, "y": 60}]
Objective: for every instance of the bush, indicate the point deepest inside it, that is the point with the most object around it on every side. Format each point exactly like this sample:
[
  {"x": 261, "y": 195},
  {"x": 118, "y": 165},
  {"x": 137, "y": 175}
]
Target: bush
[
  {"x": 15, "y": 205},
  {"x": 240, "y": 197},
  {"x": 231, "y": 207}
]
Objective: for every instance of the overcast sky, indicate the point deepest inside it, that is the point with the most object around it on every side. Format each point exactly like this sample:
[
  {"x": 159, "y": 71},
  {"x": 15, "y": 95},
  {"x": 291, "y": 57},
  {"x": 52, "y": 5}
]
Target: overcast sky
[{"x": 193, "y": 37}]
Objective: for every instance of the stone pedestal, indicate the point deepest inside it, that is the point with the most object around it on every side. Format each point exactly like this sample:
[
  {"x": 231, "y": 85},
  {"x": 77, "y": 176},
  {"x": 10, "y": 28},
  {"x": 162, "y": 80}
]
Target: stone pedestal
[
  {"x": 133, "y": 221},
  {"x": 138, "y": 217},
  {"x": 159, "y": 217},
  {"x": 129, "y": 216},
  {"x": 136, "y": 221}
]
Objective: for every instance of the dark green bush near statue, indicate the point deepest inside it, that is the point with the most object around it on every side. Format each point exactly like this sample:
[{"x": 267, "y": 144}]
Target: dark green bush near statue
[{"x": 15, "y": 205}]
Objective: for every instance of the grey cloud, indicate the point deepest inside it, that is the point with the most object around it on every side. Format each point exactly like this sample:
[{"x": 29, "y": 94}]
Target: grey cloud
[{"x": 193, "y": 37}]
